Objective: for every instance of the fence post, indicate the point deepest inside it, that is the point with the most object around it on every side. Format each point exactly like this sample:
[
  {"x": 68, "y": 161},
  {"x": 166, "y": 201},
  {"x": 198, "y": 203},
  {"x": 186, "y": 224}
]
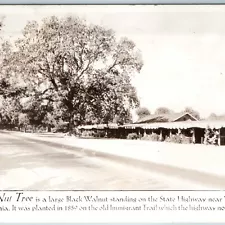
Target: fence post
[
  {"x": 219, "y": 139},
  {"x": 144, "y": 132},
  {"x": 193, "y": 136},
  {"x": 161, "y": 135}
]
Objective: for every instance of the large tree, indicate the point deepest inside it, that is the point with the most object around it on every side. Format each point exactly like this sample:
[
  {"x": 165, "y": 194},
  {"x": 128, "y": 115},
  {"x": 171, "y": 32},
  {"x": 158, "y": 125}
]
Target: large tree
[
  {"x": 9, "y": 85},
  {"x": 12, "y": 87},
  {"x": 80, "y": 68}
]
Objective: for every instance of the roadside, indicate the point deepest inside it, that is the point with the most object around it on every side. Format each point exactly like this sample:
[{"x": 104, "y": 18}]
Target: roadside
[{"x": 201, "y": 163}]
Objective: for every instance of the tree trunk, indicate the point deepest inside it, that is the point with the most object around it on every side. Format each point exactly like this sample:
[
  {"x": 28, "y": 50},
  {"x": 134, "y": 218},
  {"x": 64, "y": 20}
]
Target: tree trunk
[
  {"x": 71, "y": 123},
  {"x": 49, "y": 129},
  {"x": 70, "y": 126}
]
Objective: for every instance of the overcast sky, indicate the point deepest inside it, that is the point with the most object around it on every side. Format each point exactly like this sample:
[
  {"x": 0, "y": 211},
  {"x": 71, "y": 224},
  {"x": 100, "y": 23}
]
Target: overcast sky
[{"x": 183, "y": 48}]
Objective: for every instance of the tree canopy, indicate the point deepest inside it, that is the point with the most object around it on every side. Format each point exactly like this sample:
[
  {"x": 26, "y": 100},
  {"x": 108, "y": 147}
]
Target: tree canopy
[
  {"x": 71, "y": 70},
  {"x": 142, "y": 112},
  {"x": 192, "y": 112},
  {"x": 163, "y": 110},
  {"x": 213, "y": 116}
]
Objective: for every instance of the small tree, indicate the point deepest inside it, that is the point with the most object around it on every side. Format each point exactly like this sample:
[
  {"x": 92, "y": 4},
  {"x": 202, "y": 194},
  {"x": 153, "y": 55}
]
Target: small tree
[
  {"x": 213, "y": 116},
  {"x": 23, "y": 121},
  {"x": 163, "y": 110},
  {"x": 49, "y": 121},
  {"x": 192, "y": 112},
  {"x": 142, "y": 112}
]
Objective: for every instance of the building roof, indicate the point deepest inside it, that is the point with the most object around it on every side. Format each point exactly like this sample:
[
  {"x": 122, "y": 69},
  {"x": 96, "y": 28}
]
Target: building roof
[
  {"x": 99, "y": 126},
  {"x": 179, "y": 125},
  {"x": 172, "y": 117},
  {"x": 158, "y": 121},
  {"x": 167, "y": 125}
]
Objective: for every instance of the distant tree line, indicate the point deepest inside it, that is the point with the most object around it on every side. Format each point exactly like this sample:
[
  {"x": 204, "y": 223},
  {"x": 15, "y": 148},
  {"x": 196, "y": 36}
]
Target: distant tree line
[{"x": 143, "y": 111}]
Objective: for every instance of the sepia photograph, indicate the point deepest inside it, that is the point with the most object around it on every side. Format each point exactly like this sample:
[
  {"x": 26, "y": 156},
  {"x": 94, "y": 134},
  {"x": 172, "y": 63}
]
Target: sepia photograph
[{"x": 112, "y": 97}]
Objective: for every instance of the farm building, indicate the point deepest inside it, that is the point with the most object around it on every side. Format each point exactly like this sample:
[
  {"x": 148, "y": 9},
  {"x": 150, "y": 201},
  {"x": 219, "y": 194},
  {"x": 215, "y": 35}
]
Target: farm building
[
  {"x": 165, "y": 125},
  {"x": 172, "y": 117}
]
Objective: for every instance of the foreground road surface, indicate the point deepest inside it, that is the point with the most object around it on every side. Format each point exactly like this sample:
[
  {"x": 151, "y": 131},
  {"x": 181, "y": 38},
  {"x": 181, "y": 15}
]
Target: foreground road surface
[{"x": 30, "y": 165}]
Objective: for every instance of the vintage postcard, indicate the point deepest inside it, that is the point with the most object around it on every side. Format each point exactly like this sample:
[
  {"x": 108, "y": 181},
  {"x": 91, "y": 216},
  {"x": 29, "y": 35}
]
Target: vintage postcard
[
  {"x": 112, "y": 97},
  {"x": 112, "y": 113}
]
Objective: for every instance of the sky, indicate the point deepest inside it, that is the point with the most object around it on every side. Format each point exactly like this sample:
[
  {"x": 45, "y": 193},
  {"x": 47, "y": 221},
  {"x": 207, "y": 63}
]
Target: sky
[{"x": 183, "y": 48}]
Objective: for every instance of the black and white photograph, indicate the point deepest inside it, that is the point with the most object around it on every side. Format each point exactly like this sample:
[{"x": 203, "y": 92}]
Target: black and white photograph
[{"x": 112, "y": 97}]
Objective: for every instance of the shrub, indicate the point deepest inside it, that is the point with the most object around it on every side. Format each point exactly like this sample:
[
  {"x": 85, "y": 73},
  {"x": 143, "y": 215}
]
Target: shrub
[
  {"x": 100, "y": 134},
  {"x": 76, "y": 132},
  {"x": 93, "y": 134},
  {"x": 41, "y": 129},
  {"x": 211, "y": 137},
  {"x": 174, "y": 139},
  {"x": 186, "y": 140},
  {"x": 60, "y": 127},
  {"x": 132, "y": 136},
  {"x": 151, "y": 137},
  {"x": 88, "y": 133},
  {"x": 180, "y": 139}
]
